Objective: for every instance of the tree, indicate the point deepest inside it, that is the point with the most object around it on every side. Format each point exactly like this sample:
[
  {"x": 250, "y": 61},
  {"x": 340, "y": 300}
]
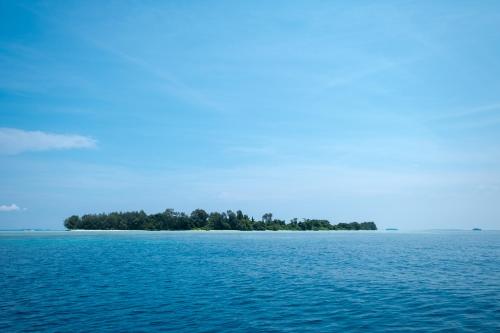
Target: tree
[
  {"x": 199, "y": 218},
  {"x": 218, "y": 221},
  {"x": 232, "y": 219},
  {"x": 172, "y": 220},
  {"x": 72, "y": 222},
  {"x": 267, "y": 218}
]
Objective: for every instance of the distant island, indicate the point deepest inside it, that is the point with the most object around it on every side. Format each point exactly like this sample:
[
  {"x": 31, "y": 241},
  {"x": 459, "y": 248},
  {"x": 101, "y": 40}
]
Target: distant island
[{"x": 201, "y": 220}]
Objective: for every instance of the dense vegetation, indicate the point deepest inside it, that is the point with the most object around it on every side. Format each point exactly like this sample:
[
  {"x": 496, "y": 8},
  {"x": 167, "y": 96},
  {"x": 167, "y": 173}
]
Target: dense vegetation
[{"x": 200, "y": 219}]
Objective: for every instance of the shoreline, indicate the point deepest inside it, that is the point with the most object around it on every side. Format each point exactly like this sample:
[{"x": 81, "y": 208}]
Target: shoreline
[
  {"x": 244, "y": 231},
  {"x": 212, "y": 230}
]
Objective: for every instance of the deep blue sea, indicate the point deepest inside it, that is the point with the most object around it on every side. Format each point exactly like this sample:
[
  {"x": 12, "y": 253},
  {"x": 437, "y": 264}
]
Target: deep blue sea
[{"x": 250, "y": 281}]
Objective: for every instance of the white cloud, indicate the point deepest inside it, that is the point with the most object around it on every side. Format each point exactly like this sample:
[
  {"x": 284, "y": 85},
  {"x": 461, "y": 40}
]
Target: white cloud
[
  {"x": 15, "y": 141},
  {"x": 9, "y": 208}
]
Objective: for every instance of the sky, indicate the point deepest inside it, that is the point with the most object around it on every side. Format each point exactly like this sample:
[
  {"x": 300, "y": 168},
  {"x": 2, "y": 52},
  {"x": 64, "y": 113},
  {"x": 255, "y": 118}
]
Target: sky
[{"x": 383, "y": 111}]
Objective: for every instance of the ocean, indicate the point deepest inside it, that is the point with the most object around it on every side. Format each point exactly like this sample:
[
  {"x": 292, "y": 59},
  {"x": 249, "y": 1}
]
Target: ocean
[{"x": 434, "y": 281}]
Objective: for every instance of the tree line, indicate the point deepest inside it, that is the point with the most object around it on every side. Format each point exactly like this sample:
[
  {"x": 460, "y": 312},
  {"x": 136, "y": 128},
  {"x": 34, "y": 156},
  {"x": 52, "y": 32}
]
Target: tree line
[{"x": 201, "y": 220}]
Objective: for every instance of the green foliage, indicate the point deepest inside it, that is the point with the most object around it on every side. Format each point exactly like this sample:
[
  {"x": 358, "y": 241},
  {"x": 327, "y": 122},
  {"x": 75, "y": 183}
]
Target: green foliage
[
  {"x": 72, "y": 222},
  {"x": 200, "y": 219}
]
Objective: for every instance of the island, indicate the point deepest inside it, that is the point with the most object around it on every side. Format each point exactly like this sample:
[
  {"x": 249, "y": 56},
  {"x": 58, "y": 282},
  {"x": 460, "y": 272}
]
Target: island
[{"x": 199, "y": 219}]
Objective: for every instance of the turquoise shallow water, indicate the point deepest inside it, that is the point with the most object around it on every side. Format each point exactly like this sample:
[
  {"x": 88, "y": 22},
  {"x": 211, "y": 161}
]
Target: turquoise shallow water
[{"x": 250, "y": 281}]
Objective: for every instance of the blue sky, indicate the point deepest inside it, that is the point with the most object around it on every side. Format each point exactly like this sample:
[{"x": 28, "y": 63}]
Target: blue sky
[{"x": 350, "y": 111}]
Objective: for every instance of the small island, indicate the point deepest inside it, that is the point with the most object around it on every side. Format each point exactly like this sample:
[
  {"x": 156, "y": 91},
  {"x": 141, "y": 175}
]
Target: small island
[{"x": 201, "y": 220}]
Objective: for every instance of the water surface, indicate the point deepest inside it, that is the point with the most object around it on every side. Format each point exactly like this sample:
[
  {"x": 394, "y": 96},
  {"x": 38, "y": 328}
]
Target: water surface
[{"x": 250, "y": 281}]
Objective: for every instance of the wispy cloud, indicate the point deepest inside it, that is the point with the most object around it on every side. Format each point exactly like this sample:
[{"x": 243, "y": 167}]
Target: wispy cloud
[
  {"x": 475, "y": 117},
  {"x": 16, "y": 141},
  {"x": 478, "y": 110},
  {"x": 171, "y": 83},
  {"x": 359, "y": 74},
  {"x": 9, "y": 208}
]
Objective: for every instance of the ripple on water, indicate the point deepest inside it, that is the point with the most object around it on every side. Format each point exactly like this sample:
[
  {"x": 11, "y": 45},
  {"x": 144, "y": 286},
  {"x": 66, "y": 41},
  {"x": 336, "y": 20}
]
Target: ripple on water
[{"x": 283, "y": 282}]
